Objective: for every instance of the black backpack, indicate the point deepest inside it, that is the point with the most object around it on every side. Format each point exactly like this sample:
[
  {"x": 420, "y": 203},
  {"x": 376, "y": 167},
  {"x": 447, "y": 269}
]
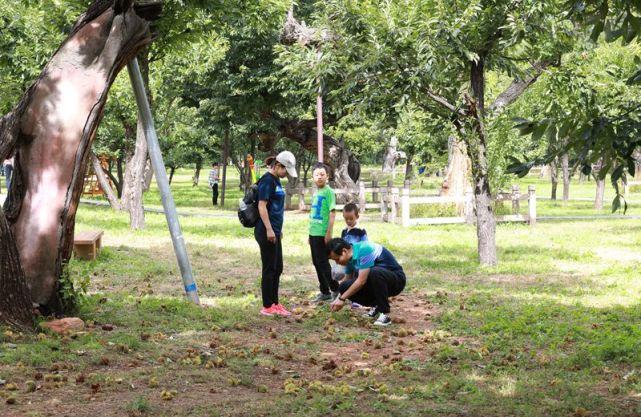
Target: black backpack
[{"x": 248, "y": 211}]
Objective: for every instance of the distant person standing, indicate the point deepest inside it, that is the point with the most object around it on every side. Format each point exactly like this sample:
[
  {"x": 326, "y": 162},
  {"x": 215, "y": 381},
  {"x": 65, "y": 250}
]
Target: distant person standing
[
  {"x": 8, "y": 170},
  {"x": 213, "y": 183}
]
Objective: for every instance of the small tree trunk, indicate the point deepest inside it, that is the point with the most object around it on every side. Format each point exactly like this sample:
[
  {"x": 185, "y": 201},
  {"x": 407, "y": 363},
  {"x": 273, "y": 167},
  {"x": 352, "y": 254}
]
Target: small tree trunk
[
  {"x": 104, "y": 183},
  {"x": 149, "y": 175},
  {"x": 600, "y": 193},
  {"x": 225, "y": 163},
  {"x": 134, "y": 181},
  {"x": 408, "y": 167},
  {"x": 554, "y": 178},
  {"x": 172, "y": 169},
  {"x": 565, "y": 169},
  {"x": 544, "y": 171},
  {"x": 196, "y": 177},
  {"x": 485, "y": 221},
  {"x": 389, "y": 160},
  {"x": 120, "y": 181},
  {"x": 600, "y": 184}
]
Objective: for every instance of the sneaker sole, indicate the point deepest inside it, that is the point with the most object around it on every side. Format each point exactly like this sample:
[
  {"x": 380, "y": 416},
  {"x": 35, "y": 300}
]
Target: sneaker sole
[
  {"x": 378, "y": 323},
  {"x": 267, "y": 314}
]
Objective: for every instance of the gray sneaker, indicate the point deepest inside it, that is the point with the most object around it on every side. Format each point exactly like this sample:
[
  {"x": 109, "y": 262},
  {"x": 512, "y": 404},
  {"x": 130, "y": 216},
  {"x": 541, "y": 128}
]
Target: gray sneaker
[
  {"x": 321, "y": 298},
  {"x": 371, "y": 313},
  {"x": 383, "y": 320},
  {"x": 335, "y": 295}
]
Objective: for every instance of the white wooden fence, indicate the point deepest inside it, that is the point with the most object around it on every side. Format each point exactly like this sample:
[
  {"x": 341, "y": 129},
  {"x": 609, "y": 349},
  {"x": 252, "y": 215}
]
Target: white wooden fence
[
  {"x": 391, "y": 201},
  {"x": 468, "y": 201}
]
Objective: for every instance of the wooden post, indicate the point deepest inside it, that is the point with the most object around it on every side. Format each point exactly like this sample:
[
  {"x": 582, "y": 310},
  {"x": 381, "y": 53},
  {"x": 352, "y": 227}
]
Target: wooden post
[
  {"x": 301, "y": 196},
  {"x": 532, "y": 204},
  {"x": 395, "y": 204},
  {"x": 469, "y": 206},
  {"x": 405, "y": 207},
  {"x": 516, "y": 194},
  {"x": 375, "y": 193},
  {"x": 388, "y": 201},
  {"x": 361, "y": 196},
  {"x": 384, "y": 207}
]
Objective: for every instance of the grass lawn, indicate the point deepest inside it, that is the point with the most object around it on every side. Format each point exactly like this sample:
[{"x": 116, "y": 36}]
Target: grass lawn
[{"x": 553, "y": 330}]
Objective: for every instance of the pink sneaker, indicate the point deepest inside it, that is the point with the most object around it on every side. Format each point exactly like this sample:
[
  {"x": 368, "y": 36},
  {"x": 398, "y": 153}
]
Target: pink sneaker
[
  {"x": 270, "y": 311},
  {"x": 281, "y": 310}
]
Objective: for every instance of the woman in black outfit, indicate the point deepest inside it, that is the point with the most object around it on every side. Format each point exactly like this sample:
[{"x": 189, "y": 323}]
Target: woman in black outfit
[{"x": 268, "y": 230}]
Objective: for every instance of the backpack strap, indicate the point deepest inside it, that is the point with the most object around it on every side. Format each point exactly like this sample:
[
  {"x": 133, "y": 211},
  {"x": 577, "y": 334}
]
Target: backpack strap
[{"x": 273, "y": 188}]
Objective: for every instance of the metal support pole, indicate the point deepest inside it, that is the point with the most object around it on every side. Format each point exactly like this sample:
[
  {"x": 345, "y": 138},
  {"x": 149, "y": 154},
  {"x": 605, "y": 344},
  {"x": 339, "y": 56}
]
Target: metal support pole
[
  {"x": 158, "y": 165},
  {"x": 319, "y": 114},
  {"x": 319, "y": 126}
]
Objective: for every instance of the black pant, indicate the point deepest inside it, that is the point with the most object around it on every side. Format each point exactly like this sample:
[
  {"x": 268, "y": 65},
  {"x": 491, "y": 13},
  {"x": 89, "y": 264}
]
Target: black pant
[
  {"x": 380, "y": 285},
  {"x": 271, "y": 255},
  {"x": 321, "y": 263},
  {"x": 214, "y": 198}
]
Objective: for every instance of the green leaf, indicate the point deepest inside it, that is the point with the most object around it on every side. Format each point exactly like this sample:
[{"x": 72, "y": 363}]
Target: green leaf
[
  {"x": 631, "y": 167},
  {"x": 616, "y": 174},
  {"x": 616, "y": 203}
]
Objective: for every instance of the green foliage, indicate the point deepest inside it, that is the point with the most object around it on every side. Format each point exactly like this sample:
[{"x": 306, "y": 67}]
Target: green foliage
[
  {"x": 74, "y": 282},
  {"x": 587, "y": 108},
  {"x": 140, "y": 405},
  {"x": 31, "y": 32}
]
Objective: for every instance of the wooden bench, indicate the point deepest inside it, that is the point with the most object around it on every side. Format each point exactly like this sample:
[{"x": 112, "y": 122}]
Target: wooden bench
[{"x": 86, "y": 245}]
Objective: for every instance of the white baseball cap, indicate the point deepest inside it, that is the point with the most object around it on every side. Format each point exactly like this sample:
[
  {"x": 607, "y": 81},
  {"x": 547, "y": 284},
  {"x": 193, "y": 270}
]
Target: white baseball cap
[{"x": 288, "y": 160}]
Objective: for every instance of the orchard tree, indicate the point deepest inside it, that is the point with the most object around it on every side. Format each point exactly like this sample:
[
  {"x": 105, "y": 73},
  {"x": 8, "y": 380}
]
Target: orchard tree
[{"x": 437, "y": 54}]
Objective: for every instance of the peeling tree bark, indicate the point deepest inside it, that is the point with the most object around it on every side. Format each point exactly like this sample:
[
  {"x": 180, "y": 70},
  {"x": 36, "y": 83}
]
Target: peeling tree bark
[
  {"x": 134, "y": 181},
  {"x": 52, "y": 129},
  {"x": 457, "y": 174}
]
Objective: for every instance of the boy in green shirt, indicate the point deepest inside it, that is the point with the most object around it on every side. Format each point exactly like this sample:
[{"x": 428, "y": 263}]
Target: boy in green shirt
[{"x": 321, "y": 223}]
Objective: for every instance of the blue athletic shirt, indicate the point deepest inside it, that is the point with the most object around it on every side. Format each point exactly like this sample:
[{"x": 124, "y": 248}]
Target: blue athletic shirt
[
  {"x": 366, "y": 255},
  {"x": 270, "y": 190}
]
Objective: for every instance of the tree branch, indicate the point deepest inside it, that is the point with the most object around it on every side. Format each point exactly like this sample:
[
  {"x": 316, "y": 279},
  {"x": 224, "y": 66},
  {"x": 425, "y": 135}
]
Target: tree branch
[
  {"x": 443, "y": 102},
  {"x": 519, "y": 86}
]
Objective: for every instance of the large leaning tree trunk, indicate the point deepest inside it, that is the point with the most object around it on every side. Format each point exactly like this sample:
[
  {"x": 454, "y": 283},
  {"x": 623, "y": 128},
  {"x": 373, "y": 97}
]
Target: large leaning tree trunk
[
  {"x": 456, "y": 180},
  {"x": 51, "y": 131}
]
